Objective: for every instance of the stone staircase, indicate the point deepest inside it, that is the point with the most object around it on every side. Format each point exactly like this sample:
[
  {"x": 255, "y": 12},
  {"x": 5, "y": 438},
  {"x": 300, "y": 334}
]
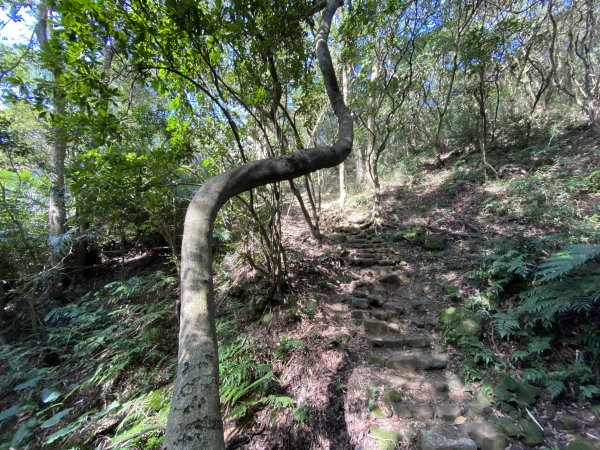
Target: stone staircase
[{"x": 420, "y": 402}]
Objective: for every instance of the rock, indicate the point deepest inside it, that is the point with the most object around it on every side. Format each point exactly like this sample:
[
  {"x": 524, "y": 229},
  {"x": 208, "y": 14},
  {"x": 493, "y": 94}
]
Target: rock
[
  {"x": 389, "y": 278},
  {"x": 416, "y": 362},
  {"x": 447, "y": 411},
  {"x": 378, "y": 326},
  {"x": 387, "y": 440},
  {"x": 377, "y": 360},
  {"x": 392, "y": 396},
  {"x": 435, "y": 385},
  {"x": 422, "y": 411},
  {"x": 583, "y": 444},
  {"x": 431, "y": 363},
  {"x": 358, "y": 314},
  {"x": 395, "y": 307},
  {"x": 569, "y": 423},
  {"x": 523, "y": 391},
  {"x": 486, "y": 435},
  {"x": 376, "y": 411},
  {"x": 394, "y": 341},
  {"x": 402, "y": 411},
  {"x": 380, "y": 315},
  {"x": 419, "y": 323},
  {"x": 434, "y": 242},
  {"x": 362, "y": 262},
  {"x": 461, "y": 321},
  {"x": 405, "y": 363},
  {"x": 339, "y": 237},
  {"x": 507, "y": 426},
  {"x": 438, "y": 439},
  {"x": 375, "y": 301},
  {"x": 477, "y": 409},
  {"x": 455, "y": 384},
  {"x": 360, "y": 303},
  {"x": 531, "y": 432}
]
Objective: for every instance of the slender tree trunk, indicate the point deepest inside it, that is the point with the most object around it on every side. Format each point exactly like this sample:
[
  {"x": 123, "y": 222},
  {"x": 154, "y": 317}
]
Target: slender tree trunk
[
  {"x": 342, "y": 166},
  {"x": 342, "y": 176},
  {"x": 56, "y": 203},
  {"x": 195, "y": 417},
  {"x": 360, "y": 166}
]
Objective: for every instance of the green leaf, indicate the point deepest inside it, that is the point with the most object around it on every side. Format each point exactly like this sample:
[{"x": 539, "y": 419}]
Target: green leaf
[
  {"x": 49, "y": 395},
  {"x": 61, "y": 433},
  {"x": 27, "y": 384},
  {"x": 23, "y": 432},
  {"x": 9, "y": 412},
  {"x": 55, "y": 418}
]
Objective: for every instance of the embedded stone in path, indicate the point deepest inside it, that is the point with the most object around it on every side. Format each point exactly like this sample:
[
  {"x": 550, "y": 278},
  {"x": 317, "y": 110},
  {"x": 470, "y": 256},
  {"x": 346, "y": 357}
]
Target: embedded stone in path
[
  {"x": 360, "y": 303},
  {"x": 361, "y": 262},
  {"x": 395, "y": 307},
  {"x": 339, "y": 237},
  {"x": 422, "y": 411},
  {"x": 359, "y": 314},
  {"x": 486, "y": 435},
  {"x": 415, "y": 362},
  {"x": 379, "y": 314},
  {"x": 447, "y": 411},
  {"x": 387, "y": 439},
  {"x": 398, "y": 341},
  {"x": 477, "y": 409},
  {"x": 378, "y": 325},
  {"x": 444, "y": 439}
]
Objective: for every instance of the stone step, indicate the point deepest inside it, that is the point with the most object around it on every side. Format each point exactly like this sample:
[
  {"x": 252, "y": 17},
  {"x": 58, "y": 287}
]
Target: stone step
[
  {"x": 380, "y": 326},
  {"x": 367, "y": 245},
  {"x": 372, "y": 300},
  {"x": 445, "y": 438},
  {"x": 348, "y": 230},
  {"x": 428, "y": 382},
  {"x": 398, "y": 341},
  {"x": 394, "y": 307},
  {"x": 364, "y": 255},
  {"x": 360, "y": 262},
  {"x": 424, "y": 411},
  {"x": 380, "y": 314},
  {"x": 408, "y": 363},
  {"x": 358, "y": 240}
]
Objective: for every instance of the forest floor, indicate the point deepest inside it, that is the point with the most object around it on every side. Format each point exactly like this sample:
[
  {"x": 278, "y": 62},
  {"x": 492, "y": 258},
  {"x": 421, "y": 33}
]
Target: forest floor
[{"x": 355, "y": 346}]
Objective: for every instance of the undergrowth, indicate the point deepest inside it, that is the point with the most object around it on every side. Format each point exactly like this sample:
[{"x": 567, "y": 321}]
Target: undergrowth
[
  {"x": 103, "y": 376},
  {"x": 542, "y": 314}
]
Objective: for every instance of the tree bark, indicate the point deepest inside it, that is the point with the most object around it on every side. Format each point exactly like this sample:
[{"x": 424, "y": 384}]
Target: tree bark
[
  {"x": 56, "y": 203},
  {"x": 195, "y": 417},
  {"x": 342, "y": 166}
]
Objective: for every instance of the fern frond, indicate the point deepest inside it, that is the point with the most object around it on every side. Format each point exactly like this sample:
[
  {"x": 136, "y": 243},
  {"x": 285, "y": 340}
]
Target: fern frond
[
  {"x": 506, "y": 323},
  {"x": 561, "y": 263},
  {"x": 539, "y": 344},
  {"x": 554, "y": 388}
]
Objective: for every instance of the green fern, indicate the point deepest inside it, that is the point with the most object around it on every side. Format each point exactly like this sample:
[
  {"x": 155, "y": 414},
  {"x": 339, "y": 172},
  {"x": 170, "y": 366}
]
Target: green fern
[
  {"x": 563, "y": 262},
  {"x": 575, "y": 293},
  {"x": 506, "y": 323},
  {"x": 539, "y": 345}
]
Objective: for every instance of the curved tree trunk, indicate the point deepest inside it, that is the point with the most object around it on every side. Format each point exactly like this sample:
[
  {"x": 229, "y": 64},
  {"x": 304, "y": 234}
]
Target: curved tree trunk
[{"x": 195, "y": 416}]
